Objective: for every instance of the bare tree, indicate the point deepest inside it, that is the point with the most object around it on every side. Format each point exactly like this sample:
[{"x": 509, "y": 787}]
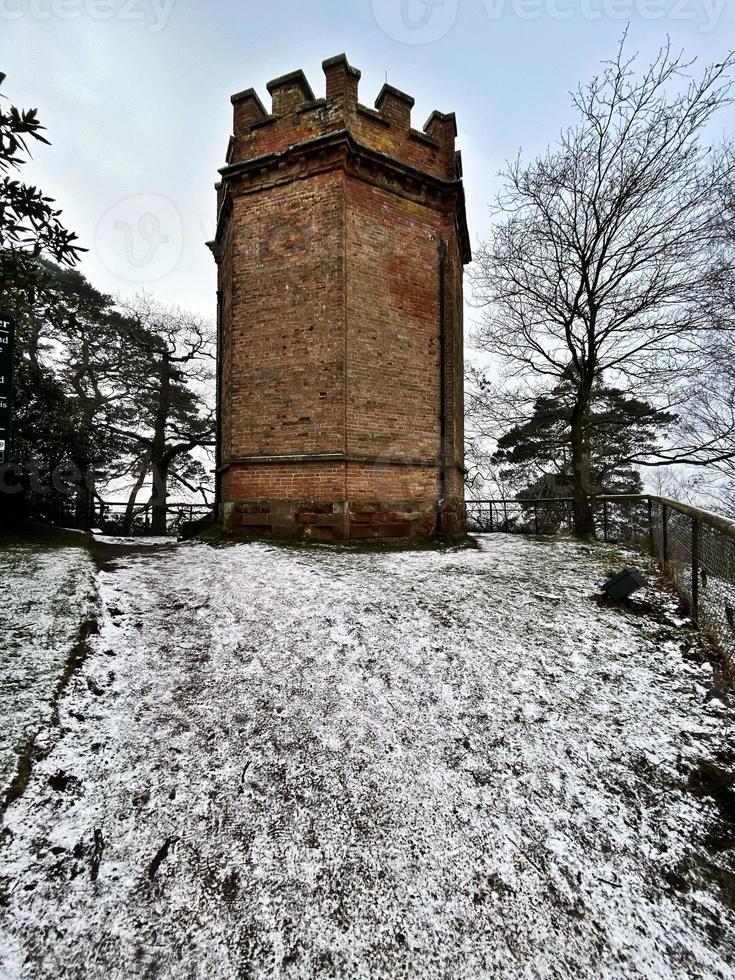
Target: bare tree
[
  {"x": 711, "y": 412},
  {"x": 602, "y": 250},
  {"x": 169, "y": 415}
]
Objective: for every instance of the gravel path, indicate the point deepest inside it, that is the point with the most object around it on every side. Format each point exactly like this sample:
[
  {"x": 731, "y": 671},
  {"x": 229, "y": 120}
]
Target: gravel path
[{"x": 283, "y": 762}]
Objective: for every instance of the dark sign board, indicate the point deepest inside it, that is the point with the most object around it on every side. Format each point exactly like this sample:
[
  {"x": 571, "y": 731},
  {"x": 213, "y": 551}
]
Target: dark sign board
[{"x": 6, "y": 381}]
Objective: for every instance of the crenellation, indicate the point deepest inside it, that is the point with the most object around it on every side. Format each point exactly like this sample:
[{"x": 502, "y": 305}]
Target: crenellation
[
  {"x": 297, "y": 116},
  {"x": 290, "y": 92},
  {"x": 265, "y": 121},
  {"x": 445, "y": 122},
  {"x": 312, "y": 106},
  {"x": 395, "y": 106},
  {"x": 248, "y": 109},
  {"x": 442, "y": 128},
  {"x": 416, "y": 134},
  {"x": 372, "y": 114},
  {"x": 342, "y": 82}
]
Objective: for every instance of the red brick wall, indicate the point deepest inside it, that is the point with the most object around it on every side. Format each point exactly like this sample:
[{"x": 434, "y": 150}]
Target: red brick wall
[
  {"x": 322, "y": 482},
  {"x": 224, "y": 358},
  {"x": 328, "y": 482},
  {"x": 288, "y": 320},
  {"x": 369, "y": 481},
  {"x": 455, "y": 361},
  {"x": 392, "y": 325}
]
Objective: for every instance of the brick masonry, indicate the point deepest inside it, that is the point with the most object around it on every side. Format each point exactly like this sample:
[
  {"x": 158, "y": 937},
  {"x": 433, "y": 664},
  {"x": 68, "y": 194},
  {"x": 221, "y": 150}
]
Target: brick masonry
[{"x": 330, "y": 216}]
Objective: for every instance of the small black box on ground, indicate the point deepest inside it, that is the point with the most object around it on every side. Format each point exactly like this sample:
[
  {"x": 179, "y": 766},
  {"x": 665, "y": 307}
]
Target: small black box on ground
[{"x": 624, "y": 584}]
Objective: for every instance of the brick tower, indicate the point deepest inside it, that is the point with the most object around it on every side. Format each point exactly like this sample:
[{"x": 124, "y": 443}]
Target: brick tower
[{"x": 340, "y": 246}]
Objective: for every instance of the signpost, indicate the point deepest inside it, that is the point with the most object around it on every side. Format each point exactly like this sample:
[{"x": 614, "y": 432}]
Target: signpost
[{"x": 6, "y": 382}]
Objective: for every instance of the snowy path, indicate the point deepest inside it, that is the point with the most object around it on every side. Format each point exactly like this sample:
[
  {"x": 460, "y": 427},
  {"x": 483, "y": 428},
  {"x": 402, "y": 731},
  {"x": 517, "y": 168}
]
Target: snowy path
[
  {"x": 307, "y": 763},
  {"x": 47, "y": 593}
]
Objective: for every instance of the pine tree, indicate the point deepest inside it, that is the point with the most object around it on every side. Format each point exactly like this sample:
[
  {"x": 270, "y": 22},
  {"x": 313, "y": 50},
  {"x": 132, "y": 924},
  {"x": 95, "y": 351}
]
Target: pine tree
[{"x": 617, "y": 431}]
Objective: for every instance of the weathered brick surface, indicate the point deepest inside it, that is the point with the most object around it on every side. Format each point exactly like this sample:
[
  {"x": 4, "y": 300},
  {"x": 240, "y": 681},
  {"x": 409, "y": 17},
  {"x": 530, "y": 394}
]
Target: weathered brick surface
[
  {"x": 330, "y": 217},
  {"x": 304, "y": 481},
  {"x": 287, "y": 332}
]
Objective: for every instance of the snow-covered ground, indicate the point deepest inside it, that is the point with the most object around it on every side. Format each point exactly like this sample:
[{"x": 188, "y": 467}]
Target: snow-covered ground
[
  {"x": 149, "y": 542},
  {"x": 284, "y": 762},
  {"x": 47, "y": 593}
]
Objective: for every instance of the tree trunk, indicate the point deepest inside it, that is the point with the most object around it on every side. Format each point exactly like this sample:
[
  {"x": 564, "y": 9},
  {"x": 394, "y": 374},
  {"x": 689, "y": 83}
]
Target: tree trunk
[
  {"x": 137, "y": 486},
  {"x": 85, "y": 488},
  {"x": 159, "y": 463},
  {"x": 159, "y": 498},
  {"x": 34, "y": 335},
  {"x": 584, "y": 522},
  {"x": 85, "y": 497}
]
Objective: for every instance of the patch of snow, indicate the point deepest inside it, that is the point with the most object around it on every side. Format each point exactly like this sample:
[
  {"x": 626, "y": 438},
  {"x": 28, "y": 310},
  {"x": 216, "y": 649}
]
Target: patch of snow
[
  {"x": 47, "y": 593},
  {"x": 301, "y": 763},
  {"x": 132, "y": 542}
]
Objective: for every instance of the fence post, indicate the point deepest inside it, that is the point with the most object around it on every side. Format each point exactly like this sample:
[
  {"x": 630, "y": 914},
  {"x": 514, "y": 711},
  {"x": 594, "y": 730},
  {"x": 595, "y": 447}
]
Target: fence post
[
  {"x": 604, "y": 520},
  {"x": 505, "y": 513},
  {"x": 535, "y": 515},
  {"x": 695, "y": 569},
  {"x": 491, "y": 517},
  {"x": 665, "y": 533},
  {"x": 651, "y": 533}
]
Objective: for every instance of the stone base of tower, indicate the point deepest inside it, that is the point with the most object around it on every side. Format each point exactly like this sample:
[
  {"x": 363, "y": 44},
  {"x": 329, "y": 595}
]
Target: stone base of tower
[
  {"x": 343, "y": 520},
  {"x": 331, "y": 501}
]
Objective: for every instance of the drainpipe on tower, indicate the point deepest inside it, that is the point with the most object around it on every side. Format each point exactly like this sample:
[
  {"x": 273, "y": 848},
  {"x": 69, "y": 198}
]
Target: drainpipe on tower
[
  {"x": 442, "y": 384},
  {"x": 218, "y": 396}
]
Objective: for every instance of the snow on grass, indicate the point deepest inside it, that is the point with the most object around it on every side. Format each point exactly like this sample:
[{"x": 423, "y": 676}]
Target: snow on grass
[
  {"x": 48, "y": 591},
  {"x": 139, "y": 542},
  {"x": 282, "y": 762}
]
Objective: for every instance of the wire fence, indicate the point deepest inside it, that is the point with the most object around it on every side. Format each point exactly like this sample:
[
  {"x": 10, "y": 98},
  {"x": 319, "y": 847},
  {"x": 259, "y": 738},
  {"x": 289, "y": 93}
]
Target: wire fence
[{"x": 695, "y": 550}]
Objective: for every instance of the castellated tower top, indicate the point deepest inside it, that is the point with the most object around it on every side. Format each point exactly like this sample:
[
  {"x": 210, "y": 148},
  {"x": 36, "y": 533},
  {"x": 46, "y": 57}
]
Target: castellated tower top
[{"x": 297, "y": 117}]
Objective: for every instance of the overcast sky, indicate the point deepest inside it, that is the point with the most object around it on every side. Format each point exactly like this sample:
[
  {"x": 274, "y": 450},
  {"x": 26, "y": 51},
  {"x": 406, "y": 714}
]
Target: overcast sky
[{"x": 135, "y": 96}]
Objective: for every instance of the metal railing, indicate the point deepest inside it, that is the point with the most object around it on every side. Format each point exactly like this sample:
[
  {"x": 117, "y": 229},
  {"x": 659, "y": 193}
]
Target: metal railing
[
  {"x": 109, "y": 515},
  {"x": 695, "y": 550},
  {"x": 549, "y": 515}
]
